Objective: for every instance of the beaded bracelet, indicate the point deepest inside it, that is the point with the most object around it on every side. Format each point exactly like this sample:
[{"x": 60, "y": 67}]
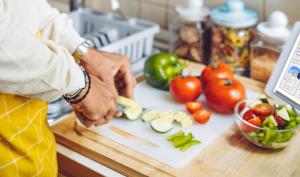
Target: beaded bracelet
[{"x": 77, "y": 97}]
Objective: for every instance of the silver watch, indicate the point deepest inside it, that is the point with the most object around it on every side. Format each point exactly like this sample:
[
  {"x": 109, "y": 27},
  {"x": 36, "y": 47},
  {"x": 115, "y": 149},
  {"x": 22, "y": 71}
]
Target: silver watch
[{"x": 82, "y": 49}]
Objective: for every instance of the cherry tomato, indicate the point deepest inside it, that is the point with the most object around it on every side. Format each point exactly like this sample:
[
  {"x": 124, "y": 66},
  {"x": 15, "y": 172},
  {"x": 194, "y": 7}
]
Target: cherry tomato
[
  {"x": 216, "y": 71},
  {"x": 249, "y": 115},
  {"x": 263, "y": 109},
  {"x": 254, "y": 121},
  {"x": 222, "y": 95},
  {"x": 192, "y": 107},
  {"x": 185, "y": 89},
  {"x": 279, "y": 120},
  {"x": 202, "y": 116}
]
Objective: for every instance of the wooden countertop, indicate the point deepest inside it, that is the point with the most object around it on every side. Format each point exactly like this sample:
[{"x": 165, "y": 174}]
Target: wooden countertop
[{"x": 229, "y": 155}]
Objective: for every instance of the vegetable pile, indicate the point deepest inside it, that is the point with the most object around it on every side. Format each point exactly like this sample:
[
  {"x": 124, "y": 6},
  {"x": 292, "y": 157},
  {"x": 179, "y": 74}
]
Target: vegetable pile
[
  {"x": 182, "y": 141},
  {"x": 276, "y": 123}
]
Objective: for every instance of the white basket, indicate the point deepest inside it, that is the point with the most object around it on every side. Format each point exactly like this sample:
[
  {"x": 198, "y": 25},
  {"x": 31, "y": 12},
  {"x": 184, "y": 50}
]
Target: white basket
[{"x": 135, "y": 36}]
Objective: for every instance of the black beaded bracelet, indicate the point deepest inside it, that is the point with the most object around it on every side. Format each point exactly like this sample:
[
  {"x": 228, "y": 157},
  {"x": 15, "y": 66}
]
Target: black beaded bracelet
[{"x": 73, "y": 99}]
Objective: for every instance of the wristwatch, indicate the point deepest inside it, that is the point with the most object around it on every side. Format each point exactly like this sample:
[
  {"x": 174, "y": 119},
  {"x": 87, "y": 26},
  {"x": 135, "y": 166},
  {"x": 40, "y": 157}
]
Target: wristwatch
[{"x": 82, "y": 49}]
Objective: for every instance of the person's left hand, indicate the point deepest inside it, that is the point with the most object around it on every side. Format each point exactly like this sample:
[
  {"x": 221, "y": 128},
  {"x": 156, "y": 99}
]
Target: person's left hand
[{"x": 111, "y": 68}]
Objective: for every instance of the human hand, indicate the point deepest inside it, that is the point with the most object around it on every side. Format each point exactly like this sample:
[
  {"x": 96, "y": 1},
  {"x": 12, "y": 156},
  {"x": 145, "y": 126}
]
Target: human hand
[
  {"x": 113, "y": 69},
  {"x": 98, "y": 107}
]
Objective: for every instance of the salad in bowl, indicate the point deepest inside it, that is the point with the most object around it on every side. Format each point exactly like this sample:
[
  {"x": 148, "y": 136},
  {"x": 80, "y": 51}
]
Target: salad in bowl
[{"x": 267, "y": 124}]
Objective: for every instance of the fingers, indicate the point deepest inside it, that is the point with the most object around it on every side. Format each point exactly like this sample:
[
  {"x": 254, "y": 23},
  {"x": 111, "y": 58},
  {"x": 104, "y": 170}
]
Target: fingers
[
  {"x": 84, "y": 121},
  {"x": 111, "y": 112},
  {"x": 125, "y": 81}
]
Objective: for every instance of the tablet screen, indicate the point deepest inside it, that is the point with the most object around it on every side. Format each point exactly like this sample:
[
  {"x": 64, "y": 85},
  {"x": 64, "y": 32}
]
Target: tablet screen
[{"x": 288, "y": 85}]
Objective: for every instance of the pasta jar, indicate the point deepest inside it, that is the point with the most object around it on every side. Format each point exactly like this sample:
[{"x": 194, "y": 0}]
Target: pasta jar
[
  {"x": 232, "y": 34},
  {"x": 189, "y": 31},
  {"x": 266, "y": 49}
]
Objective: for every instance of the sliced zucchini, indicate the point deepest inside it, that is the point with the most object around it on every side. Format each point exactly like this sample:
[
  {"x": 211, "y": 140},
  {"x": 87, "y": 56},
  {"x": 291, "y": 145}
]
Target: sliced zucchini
[
  {"x": 126, "y": 102},
  {"x": 151, "y": 115},
  {"x": 283, "y": 113},
  {"x": 131, "y": 109},
  {"x": 133, "y": 113},
  {"x": 184, "y": 119},
  {"x": 161, "y": 125},
  {"x": 186, "y": 123},
  {"x": 167, "y": 115}
]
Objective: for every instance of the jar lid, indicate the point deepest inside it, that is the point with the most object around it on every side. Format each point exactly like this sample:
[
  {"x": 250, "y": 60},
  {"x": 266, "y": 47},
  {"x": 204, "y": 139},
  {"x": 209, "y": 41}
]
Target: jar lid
[
  {"x": 276, "y": 27},
  {"x": 234, "y": 14},
  {"x": 193, "y": 10}
]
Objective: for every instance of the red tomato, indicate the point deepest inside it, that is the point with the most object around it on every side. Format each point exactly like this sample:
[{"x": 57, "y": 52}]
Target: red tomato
[
  {"x": 192, "y": 107},
  {"x": 279, "y": 120},
  {"x": 216, "y": 71},
  {"x": 249, "y": 115},
  {"x": 263, "y": 109},
  {"x": 254, "y": 121},
  {"x": 185, "y": 89},
  {"x": 202, "y": 116},
  {"x": 223, "y": 94}
]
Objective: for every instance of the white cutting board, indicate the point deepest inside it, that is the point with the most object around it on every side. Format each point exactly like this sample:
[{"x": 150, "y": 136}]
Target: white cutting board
[{"x": 163, "y": 150}]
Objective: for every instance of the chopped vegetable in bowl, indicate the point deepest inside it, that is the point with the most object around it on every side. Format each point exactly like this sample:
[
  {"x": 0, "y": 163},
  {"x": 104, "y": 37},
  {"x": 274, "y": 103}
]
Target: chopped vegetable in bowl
[{"x": 265, "y": 124}]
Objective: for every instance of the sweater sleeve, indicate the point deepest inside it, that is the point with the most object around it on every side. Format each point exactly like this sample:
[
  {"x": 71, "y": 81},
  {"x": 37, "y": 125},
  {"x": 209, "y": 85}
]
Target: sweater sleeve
[
  {"x": 57, "y": 27},
  {"x": 32, "y": 67}
]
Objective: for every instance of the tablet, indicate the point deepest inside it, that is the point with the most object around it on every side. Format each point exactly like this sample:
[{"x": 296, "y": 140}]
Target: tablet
[{"x": 284, "y": 83}]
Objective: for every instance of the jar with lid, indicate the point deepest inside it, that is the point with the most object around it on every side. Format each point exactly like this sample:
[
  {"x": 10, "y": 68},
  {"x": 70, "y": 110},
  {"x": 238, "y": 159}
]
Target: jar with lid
[
  {"x": 232, "y": 33},
  {"x": 266, "y": 49},
  {"x": 189, "y": 31}
]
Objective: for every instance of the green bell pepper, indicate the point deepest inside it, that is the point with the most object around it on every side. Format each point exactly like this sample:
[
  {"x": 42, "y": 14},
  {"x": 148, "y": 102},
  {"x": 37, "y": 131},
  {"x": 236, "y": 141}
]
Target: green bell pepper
[{"x": 161, "y": 68}]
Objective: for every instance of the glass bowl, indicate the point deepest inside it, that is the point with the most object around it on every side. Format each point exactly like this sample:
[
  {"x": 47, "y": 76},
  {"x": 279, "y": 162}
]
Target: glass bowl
[{"x": 263, "y": 137}]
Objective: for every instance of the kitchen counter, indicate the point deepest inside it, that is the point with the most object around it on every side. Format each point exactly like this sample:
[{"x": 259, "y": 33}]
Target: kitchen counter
[{"x": 229, "y": 155}]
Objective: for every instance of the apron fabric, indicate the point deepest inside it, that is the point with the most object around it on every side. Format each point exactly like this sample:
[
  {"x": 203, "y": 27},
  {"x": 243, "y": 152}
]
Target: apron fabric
[{"x": 27, "y": 144}]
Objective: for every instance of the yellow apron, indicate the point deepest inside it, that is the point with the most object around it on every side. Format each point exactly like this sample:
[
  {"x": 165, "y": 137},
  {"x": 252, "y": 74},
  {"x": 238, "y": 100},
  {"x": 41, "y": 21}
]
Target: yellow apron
[{"x": 27, "y": 145}]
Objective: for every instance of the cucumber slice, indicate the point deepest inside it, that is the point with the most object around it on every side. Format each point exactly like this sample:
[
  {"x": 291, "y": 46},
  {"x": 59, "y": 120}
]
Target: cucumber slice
[
  {"x": 126, "y": 102},
  {"x": 183, "y": 118},
  {"x": 263, "y": 98},
  {"x": 270, "y": 120},
  {"x": 151, "y": 115},
  {"x": 131, "y": 109},
  {"x": 133, "y": 113},
  {"x": 283, "y": 113},
  {"x": 161, "y": 125},
  {"x": 291, "y": 111}
]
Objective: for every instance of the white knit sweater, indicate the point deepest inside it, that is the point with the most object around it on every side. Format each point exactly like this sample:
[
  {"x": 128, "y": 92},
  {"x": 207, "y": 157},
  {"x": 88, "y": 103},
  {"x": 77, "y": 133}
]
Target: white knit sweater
[{"x": 42, "y": 68}]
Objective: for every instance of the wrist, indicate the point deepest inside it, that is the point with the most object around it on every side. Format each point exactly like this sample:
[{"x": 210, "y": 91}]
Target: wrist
[{"x": 79, "y": 95}]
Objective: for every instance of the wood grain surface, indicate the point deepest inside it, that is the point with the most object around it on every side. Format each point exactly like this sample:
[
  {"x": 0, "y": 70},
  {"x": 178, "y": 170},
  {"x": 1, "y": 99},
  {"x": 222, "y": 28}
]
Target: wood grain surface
[{"x": 229, "y": 155}]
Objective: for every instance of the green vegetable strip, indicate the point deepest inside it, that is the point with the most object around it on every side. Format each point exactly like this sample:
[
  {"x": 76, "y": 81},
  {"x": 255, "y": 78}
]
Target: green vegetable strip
[
  {"x": 178, "y": 134},
  {"x": 188, "y": 145},
  {"x": 178, "y": 142}
]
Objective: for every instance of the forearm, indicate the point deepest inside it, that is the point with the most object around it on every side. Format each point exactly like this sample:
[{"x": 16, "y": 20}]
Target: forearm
[{"x": 31, "y": 67}]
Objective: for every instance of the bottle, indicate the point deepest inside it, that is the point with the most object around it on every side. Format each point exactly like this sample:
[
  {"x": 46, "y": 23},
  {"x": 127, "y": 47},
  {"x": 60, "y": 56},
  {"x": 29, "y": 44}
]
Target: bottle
[
  {"x": 266, "y": 48},
  {"x": 233, "y": 31},
  {"x": 190, "y": 32}
]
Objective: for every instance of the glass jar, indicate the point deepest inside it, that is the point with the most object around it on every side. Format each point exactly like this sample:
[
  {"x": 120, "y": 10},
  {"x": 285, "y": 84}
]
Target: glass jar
[
  {"x": 266, "y": 49},
  {"x": 232, "y": 33},
  {"x": 189, "y": 31}
]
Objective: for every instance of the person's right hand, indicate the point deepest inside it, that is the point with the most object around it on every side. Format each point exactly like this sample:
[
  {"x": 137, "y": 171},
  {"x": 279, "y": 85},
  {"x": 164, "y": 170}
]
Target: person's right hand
[{"x": 98, "y": 107}]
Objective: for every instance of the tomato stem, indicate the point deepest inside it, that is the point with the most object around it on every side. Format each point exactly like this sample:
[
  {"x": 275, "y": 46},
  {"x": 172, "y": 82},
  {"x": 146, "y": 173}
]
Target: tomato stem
[
  {"x": 215, "y": 65},
  {"x": 228, "y": 82}
]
